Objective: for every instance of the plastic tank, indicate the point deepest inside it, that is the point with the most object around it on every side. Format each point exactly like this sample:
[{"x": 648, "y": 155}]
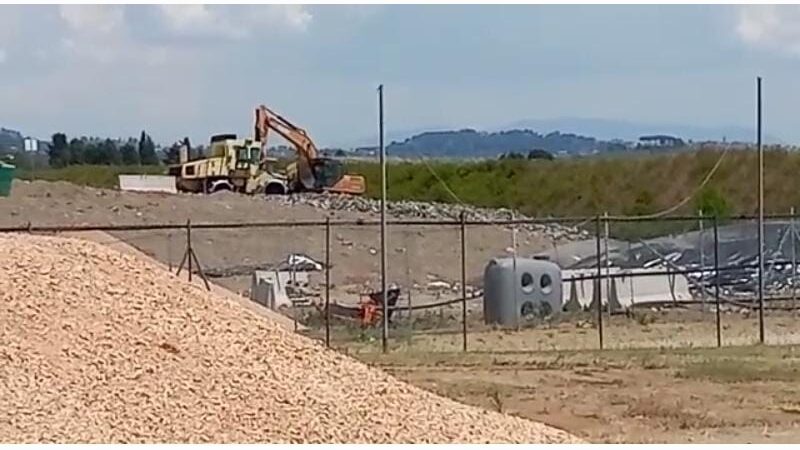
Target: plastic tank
[{"x": 511, "y": 295}]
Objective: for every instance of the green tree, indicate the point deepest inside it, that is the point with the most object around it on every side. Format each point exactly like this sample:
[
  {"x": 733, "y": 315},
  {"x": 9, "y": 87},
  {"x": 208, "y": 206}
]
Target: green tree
[
  {"x": 712, "y": 203},
  {"x": 130, "y": 155},
  {"x": 111, "y": 153},
  {"x": 147, "y": 150},
  {"x": 92, "y": 153},
  {"x": 540, "y": 154},
  {"x": 77, "y": 151},
  {"x": 59, "y": 151}
]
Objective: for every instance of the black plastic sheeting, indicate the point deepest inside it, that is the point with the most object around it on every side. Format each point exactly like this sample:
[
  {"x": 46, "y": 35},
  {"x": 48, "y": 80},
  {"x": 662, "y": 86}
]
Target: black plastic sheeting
[{"x": 738, "y": 254}]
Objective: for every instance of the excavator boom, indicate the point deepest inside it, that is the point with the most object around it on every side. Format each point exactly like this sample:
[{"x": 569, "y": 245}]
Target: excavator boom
[{"x": 310, "y": 172}]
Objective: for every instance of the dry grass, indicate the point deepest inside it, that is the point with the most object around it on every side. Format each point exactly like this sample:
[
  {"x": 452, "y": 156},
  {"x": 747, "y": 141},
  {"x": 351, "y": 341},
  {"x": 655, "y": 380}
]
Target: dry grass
[{"x": 629, "y": 184}]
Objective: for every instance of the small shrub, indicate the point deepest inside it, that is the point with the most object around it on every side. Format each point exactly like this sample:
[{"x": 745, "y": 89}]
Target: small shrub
[{"x": 712, "y": 203}]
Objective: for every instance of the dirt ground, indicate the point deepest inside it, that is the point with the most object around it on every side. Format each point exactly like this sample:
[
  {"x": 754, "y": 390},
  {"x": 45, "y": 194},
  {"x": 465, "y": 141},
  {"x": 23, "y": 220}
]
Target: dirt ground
[
  {"x": 729, "y": 395},
  {"x": 440, "y": 330},
  {"x": 419, "y": 255},
  {"x": 550, "y": 372},
  {"x": 658, "y": 380}
]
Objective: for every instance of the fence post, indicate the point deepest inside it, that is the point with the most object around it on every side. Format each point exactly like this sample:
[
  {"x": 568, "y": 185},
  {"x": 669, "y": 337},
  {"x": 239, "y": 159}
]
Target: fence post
[
  {"x": 598, "y": 285},
  {"x": 794, "y": 261},
  {"x": 514, "y": 270},
  {"x": 464, "y": 279},
  {"x": 716, "y": 281},
  {"x": 189, "y": 246},
  {"x": 702, "y": 261},
  {"x": 608, "y": 261},
  {"x": 328, "y": 281}
]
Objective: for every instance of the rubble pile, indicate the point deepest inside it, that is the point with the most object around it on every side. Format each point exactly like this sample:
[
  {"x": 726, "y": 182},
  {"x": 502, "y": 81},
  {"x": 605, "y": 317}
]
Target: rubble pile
[{"x": 410, "y": 210}]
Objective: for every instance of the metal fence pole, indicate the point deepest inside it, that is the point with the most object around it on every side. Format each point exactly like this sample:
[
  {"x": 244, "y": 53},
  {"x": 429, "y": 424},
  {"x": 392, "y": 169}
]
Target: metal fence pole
[
  {"x": 760, "y": 219},
  {"x": 599, "y": 283},
  {"x": 409, "y": 283},
  {"x": 608, "y": 260},
  {"x": 328, "y": 281},
  {"x": 716, "y": 281},
  {"x": 385, "y": 303},
  {"x": 514, "y": 264},
  {"x": 464, "y": 279},
  {"x": 189, "y": 246},
  {"x": 702, "y": 242},
  {"x": 794, "y": 259}
]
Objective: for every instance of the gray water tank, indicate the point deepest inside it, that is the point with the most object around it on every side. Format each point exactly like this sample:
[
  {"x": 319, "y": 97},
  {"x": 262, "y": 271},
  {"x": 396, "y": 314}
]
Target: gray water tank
[{"x": 512, "y": 295}]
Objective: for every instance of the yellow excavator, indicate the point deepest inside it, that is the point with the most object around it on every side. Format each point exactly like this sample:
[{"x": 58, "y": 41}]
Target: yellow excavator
[{"x": 310, "y": 171}]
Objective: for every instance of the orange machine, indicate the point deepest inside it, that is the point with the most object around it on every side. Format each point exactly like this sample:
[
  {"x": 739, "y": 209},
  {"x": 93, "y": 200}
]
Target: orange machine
[
  {"x": 310, "y": 172},
  {"x": 371, "y": 305}
]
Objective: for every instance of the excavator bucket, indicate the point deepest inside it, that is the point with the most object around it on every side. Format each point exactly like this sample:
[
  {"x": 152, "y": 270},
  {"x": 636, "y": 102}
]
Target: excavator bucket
[{"x": 350, "y": 184}]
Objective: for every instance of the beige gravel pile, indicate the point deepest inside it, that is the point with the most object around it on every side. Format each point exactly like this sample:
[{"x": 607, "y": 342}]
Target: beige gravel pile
[{"x": 99, "y": 346}]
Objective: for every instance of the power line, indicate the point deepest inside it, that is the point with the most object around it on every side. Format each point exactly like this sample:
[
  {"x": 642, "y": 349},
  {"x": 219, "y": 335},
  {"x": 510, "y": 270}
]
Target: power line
[{"x": 656, "y": 215}]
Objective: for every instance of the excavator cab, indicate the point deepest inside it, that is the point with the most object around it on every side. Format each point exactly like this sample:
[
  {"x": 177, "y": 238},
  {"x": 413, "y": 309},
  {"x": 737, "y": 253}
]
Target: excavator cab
[{"x": 327, "y": 172}]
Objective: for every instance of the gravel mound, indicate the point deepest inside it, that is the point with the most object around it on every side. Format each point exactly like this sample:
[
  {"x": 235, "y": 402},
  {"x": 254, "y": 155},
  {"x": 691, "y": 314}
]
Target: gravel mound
[
  {"x": 410, "y": 210},
  {"x": 99, "y": 346}
]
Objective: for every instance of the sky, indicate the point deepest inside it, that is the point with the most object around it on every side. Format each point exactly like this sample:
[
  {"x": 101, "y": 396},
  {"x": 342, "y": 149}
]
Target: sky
[{"x": 193, "y": 70}]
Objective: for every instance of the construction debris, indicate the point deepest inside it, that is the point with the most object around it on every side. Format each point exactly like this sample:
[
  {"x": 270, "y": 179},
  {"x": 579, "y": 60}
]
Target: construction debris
[
  {"x": 428, "y": 211},
  {"x": 100, "y": 346}
]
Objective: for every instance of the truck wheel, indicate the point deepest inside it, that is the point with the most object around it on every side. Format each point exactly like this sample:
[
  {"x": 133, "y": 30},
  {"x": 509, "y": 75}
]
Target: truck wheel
[
  {"x": 218, "y": 186},
  {"x": 274, "y": 189}
]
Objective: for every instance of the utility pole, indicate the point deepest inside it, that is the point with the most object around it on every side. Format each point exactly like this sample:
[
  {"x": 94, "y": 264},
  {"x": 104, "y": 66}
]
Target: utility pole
[
  {"x": 760, "y": 216},
  {"x": 385, "y": 336}
]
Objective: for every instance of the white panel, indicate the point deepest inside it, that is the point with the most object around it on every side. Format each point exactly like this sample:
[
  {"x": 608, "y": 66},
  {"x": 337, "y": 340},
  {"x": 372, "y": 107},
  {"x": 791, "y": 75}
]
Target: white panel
[{"x": 148, "y": 183}]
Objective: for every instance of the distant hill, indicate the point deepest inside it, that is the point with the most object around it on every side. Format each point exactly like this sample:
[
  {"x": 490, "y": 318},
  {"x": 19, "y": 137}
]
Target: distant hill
[
  {"x": 472, "y": 143},
  {"x": 608, "y": 129}
]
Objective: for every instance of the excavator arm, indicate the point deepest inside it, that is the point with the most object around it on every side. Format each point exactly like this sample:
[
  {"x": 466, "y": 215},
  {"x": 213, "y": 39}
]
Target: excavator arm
[
  {"x": 266, "y": 120},
  {"x": 308, "y": 161}
]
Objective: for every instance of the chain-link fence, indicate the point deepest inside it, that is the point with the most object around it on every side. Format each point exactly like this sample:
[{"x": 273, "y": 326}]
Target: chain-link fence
[{"x": 624, "y": 282}]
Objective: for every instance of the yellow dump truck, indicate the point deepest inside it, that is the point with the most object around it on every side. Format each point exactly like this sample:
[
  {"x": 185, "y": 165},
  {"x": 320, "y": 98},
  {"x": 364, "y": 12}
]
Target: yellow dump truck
[{"x": 232, "y": 164}]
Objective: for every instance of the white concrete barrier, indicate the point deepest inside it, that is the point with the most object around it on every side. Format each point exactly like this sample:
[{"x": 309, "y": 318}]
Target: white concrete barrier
[
  {"x": 148, "y": 183},
  {"x": 637, "y": 286}
]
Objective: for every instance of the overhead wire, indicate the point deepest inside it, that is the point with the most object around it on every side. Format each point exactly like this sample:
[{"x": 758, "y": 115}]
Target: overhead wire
[
  {"x": 686, "y": 199},
  {"x": 655, "y": 215}
]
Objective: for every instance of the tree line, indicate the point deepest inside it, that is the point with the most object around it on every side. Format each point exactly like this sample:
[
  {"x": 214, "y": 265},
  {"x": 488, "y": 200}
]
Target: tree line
[{"x": 91, "y": 150}]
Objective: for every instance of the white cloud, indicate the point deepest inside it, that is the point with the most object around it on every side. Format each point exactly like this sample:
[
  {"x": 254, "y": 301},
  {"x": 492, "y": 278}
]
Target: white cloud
[
  {"x": 3, "y": 56},
  {"x": 95, "y": 32},
  {"x": 93, "y": 19},
  {"x": 293, "y": 17},
  {"x": 771, "y": 27},
  {"x": 232, "y": 22},
  {"x": 198, "y": 20}
]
